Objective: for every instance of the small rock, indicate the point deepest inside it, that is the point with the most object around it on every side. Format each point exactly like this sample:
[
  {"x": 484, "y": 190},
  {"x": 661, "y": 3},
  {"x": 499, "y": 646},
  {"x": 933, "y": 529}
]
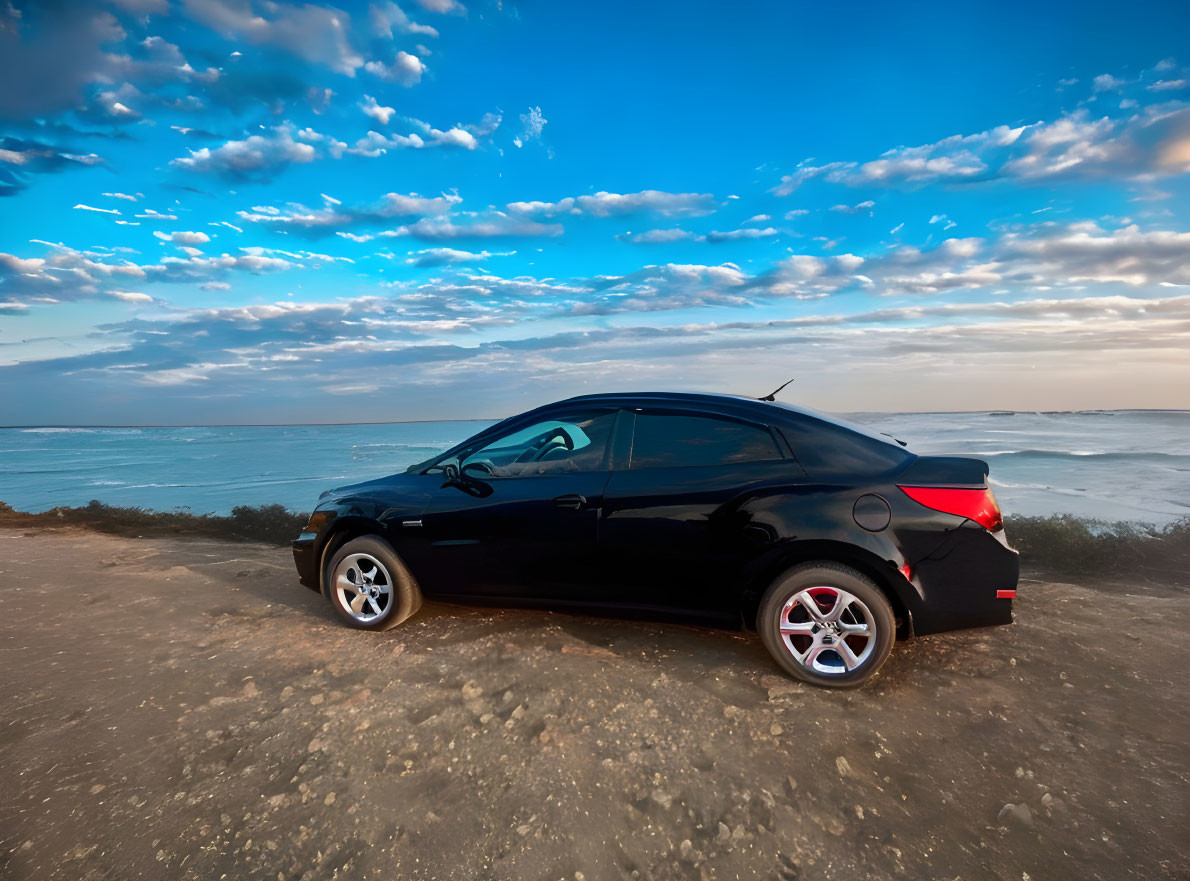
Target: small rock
[
  {"x": 776, "y": 730},
  {"x": 790, "y": 785},
  {"x": 97, "y": 788},
  {"x": 471, "y": 690},
  {"x": 316, "y": 699},
  {"x": 738, "y": 832},
  {"x": 1018, "y": 814},
  {"x": 842, "y": 766},
  {"x": 859, "y": 812},
  {"x": 330, "y": 799},
  {"x": 524, "y": 830},
  {"x": 662, "y": 798},
  {"x": 724, "y": 833},
  {"x": 519, "y": 711},
  {"x": 685, "y": 847},
  {"x": 398, "y": 648}
]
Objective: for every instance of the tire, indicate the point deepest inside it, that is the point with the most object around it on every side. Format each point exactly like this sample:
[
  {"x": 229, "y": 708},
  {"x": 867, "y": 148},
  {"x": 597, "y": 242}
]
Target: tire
[
  {"x": 368, "y": 585},
  {"x": 812, "y": 647}
]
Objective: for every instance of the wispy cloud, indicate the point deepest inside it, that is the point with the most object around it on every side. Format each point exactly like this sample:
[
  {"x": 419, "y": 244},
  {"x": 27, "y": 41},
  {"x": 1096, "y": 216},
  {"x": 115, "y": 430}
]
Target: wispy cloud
[{"x": 605, "y": 204}]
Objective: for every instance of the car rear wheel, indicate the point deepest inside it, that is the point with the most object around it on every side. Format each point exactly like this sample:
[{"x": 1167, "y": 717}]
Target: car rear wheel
[
  {"x": 826, "y": 623},
  {"x": 369, "y": 586}
]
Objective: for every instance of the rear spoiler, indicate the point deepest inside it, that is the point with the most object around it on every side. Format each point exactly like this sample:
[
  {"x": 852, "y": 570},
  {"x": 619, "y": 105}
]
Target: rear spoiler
[{"x": 945, "y": 471}]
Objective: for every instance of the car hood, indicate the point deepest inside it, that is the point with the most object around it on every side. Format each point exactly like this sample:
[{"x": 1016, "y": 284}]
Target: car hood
[{"x": 390, "y": 486}]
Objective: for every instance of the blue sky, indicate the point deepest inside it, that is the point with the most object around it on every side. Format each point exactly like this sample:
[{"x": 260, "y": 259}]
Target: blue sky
[{"x": 245, "y": 211}]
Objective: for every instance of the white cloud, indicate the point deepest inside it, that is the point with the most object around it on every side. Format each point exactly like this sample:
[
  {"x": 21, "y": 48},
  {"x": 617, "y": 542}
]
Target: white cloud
[
  {"x": 498, "y": 225},
  {"x": 82, "y": 207},
  {"x": 404, "y": 69},
  {"x": 443, "y": 7},
  {"x": 1168, "y": 85},
  {"x": 486, "y": 126},
  {"x": 379, "y": 113},
  {"x": 255, "y": 156},
  {"x": 334, "y": 217},
  {"x": 125, "y": 196},
  {"x": 388, "y": 17},
  {"x": 317, "y": 34},
  {"x": 450, "y": 256},
  {"x": 130, "y": 296},
  {"x": 532, "y": 124},
  {"x": 860, "y": 208},
  {"x": 605, "y": 204},
  {"x": 454, "y": 137},
  {"x": 750, "y": 232},
  {"x": 660, "y": 236},
  {"x": 1072, "y": 145},
  {"x": 1105, "y": 82},
  {"x": 183, "y": 238}
]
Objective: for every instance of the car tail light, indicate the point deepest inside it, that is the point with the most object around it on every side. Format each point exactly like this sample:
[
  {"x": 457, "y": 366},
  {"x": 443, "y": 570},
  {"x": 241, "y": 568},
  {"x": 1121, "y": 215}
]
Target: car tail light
[{"x": 979, "y": 505}]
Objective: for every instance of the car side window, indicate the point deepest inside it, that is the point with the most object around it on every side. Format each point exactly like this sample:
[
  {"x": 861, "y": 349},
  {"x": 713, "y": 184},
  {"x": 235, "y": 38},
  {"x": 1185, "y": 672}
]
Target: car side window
[
  {"x": 551, "y": 446},
  {"x": 665, "y": 440}
]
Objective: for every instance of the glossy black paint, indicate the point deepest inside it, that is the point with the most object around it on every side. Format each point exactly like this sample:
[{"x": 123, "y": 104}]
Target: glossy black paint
[{"x": 703, "y": 541}]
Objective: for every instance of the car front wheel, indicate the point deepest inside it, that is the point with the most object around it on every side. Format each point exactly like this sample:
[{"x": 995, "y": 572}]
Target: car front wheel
[
  {"x": 827, "y": 624},
  {"x": 369, "y": 586}
]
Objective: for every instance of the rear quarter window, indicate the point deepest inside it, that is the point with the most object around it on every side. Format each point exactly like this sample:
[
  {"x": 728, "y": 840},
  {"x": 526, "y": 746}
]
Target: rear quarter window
[
  {"x": 670, "y": 440},
  {"x": 823, "y": 448}
]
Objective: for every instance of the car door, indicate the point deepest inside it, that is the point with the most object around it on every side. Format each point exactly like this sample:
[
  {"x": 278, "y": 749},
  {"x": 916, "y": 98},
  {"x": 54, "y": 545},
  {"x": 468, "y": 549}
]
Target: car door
[
  {"x": 521, "y": 518},
  {"x": 695, "y": 506}
]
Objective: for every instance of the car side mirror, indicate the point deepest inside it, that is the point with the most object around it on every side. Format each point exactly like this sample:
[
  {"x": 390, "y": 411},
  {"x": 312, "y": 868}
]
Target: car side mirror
[{"x": 465, "y": 482}]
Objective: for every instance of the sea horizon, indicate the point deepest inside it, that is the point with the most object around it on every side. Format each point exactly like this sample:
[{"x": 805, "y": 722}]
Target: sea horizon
[{"x": 992, "y": 411}]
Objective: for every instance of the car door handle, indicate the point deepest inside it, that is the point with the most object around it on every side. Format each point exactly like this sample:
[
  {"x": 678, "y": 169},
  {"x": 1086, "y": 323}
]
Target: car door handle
[{"x": 571, "y": 500}]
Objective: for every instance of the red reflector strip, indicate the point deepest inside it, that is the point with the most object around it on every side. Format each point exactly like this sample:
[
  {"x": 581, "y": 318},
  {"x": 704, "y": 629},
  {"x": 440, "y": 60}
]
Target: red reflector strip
[{"x": 1006, "y": 594}]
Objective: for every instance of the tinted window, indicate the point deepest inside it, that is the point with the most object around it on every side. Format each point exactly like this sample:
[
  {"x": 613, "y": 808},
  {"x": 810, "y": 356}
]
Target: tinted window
[
  {"x": 669, "y": 441},
  {"x": 551, "y": 446}
]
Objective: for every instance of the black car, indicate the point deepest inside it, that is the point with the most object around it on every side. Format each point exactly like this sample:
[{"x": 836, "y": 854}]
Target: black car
[{"x": 831, "y": 539}]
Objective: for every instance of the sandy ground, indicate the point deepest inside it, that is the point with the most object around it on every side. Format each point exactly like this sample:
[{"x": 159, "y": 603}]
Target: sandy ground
[{"x": 183, "y": 709}]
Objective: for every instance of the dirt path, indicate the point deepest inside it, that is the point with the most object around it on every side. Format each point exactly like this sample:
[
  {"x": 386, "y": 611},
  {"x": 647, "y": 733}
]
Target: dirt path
[{"x": 184, "y": 710}]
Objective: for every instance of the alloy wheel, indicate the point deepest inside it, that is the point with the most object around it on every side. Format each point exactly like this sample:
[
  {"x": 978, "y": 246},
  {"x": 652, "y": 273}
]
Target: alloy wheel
[
  {"x": 827, "y": 630},
  {"x": 364, "y": 587}
]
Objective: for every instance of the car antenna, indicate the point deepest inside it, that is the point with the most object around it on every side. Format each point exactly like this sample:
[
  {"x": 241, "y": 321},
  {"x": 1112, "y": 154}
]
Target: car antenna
[{"x": 772, "y": 396}]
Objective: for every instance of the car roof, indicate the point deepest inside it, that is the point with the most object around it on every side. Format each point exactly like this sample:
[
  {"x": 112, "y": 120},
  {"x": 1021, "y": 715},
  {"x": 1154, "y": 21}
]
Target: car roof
[
  {"x": 767, "y": 410},
  {"x": 773, "y": 412}
]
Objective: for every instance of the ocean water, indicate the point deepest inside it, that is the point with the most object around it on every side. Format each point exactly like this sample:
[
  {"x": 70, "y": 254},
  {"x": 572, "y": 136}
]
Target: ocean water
[{"x": 1113, "y": 465}]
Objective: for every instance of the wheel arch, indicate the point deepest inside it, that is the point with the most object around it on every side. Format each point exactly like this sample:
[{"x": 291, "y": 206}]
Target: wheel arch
[
  {"x": 883, "y": 573},
  {"x": 341, "y": 531}
]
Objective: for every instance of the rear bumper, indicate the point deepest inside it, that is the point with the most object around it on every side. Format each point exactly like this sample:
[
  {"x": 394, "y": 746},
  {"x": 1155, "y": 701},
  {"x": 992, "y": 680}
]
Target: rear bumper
[
  {"x": 305, "y": 559},
  {"x": 970, "y": 580}
]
